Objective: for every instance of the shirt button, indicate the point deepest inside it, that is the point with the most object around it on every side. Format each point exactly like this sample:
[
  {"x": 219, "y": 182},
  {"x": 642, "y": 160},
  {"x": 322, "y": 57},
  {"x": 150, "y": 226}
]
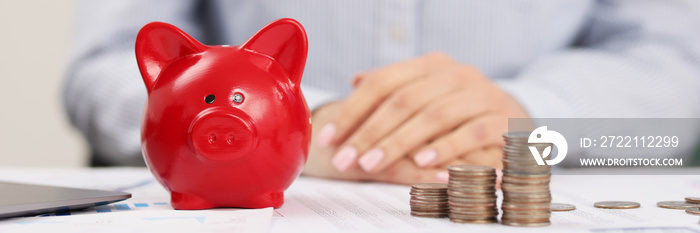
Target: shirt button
[{"x": 398, "y": 33}]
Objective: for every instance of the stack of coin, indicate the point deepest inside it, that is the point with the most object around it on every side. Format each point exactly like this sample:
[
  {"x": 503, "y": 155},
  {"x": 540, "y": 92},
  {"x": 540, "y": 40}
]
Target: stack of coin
[
  {"x": 526, "y": 195},
  {"x": 472, "y": 194},
  {"x": 429, "y": 200}
]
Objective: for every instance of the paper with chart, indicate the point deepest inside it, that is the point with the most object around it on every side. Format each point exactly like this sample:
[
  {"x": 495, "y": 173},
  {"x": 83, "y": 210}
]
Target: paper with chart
[
  {"x": 316, "y": 205},
  {"x": 319, "y": 205},
  {"x": 147, "y": 211}
]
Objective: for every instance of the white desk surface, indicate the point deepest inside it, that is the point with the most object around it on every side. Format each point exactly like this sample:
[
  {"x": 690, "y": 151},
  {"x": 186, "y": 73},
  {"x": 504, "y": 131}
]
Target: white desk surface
[{"x": 318, "y": 205}]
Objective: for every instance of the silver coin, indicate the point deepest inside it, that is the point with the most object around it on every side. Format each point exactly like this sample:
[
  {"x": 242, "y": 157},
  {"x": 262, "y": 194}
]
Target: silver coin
[
  {"x": 429, "y": 190},
  {"x": 463, "y": 202},
  {"x": 471, "y": 168},
  {"x": 430, "y": 207},
  {"x": 430, "y": 215},
  {"x": 521, "y": 196},
  {"x": 616, "y": 205},
  {"x": 518, "y": 180},
  {"x": 562, "y": 207},
  {"x": 542, "y": 201},
  {"x": 459, "y": 177},
  {"x": 527, "y": 200},
  {"x": 694, "y": 200},
  {"x": 467, "y": 195},
  {"x": 481, "y": 221},
  {"x": 524, "y": 207},
  {"x": 471, "y": 204},
  {"x": 429, "y": 186},
  {"x": 473, "y": 216},
  {"x": 693, "y": 210},
  {"x": 460, "y": 185},
  {"x": 442, "y": 195},
  {"x": 465, "y": 190},
  {"x": 525, "y": 224},
  {"x": 472, "y": 181},
  {"x": 525, "y": 216},
  {"x": 678, "y": 205},
  {"x": 414, "y": 193},
  {"x": 424, "y": 210},
  {"x": 429, "y": 198},
  {"x": 424, "y": 202}
]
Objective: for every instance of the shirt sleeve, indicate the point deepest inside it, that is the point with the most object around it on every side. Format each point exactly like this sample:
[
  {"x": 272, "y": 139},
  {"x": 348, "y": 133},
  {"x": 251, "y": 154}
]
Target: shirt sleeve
[
  {"x": 635, "y": 59},
  {"x": 104, "y": 94}
]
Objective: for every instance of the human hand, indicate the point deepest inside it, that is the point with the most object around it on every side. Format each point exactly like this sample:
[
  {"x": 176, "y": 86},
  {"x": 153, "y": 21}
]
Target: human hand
[
  {"x": 403, "y": 171},
  {"x": 430, "y": 109}
]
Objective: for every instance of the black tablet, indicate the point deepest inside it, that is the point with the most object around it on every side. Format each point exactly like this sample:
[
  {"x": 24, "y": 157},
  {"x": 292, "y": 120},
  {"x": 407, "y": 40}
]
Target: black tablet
[{"x": 26, "y": 199}]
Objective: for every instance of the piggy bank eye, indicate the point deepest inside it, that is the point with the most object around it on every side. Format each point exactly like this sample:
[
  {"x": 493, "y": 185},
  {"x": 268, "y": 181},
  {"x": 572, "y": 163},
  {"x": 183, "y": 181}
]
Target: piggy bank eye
[
  {"x": 238, "y": 98},
  {"x": 209, "y": 99}
]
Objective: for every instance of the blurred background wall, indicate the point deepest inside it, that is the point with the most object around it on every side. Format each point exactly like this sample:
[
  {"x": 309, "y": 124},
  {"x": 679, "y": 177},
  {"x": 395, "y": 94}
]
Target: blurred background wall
[{"x": 35, "y": 37}]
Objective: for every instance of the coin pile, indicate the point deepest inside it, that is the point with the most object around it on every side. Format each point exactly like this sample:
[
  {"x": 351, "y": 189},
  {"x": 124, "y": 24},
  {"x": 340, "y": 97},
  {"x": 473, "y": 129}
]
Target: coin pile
[
  {"x": 526, "y": 195},
  {"x": 472, "y": 194},
  {"x": 429, "y": 200}
]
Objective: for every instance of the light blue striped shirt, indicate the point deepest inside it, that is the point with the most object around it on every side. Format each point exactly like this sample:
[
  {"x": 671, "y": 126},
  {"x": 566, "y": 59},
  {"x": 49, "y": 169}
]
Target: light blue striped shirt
[{"x": 576, "y": 58}]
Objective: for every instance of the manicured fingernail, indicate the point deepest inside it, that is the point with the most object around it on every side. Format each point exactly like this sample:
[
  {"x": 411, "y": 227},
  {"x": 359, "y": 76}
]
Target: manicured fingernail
[
  {"x": 344, "y": 158},
  {"x": 371, "y": 159},
  {"x": 442, "y": 176},
  {"x": 425, "y": 157},
  {"x": 326, "y": 135}
]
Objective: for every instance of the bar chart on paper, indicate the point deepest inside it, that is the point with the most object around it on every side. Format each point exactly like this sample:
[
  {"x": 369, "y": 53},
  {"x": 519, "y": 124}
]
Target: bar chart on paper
[
  {"x": 148, "y": 210},
  {"x": 116, "y": 207}
]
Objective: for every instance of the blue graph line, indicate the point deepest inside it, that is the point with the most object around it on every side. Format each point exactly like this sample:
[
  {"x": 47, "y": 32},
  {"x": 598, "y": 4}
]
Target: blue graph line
[
  {"x": 138, "y": 205},
  {"x": 121, "y": 207},
  {"x": 136, "y": 185},
  {"x": 103, "y": 209},
  {"x": 40, "y": 222}
]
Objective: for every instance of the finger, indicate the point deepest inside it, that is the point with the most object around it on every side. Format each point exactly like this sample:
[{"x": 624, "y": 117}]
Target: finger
[
  {"x": 423, "y": 127},
  {"x": 372, "y": 90},
  {"x": 405, "y": 171},
  {"x": 484, "y": 130},
  {"x": 432, "y": 61},
  {"x": 399, "y": 107}
]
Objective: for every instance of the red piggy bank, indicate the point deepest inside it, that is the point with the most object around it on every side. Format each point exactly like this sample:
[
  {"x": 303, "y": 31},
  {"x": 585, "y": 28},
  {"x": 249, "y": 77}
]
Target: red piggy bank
[{"x": 224, "y": 126}]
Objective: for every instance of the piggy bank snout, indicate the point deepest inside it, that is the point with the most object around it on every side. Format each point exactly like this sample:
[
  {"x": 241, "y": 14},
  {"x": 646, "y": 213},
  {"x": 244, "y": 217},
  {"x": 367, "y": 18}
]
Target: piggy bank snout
[{"x": 222, "y": 135}]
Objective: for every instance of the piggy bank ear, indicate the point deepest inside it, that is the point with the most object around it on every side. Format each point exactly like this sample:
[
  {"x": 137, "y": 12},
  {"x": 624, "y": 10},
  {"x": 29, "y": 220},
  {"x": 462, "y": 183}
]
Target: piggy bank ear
[
  {"x": 285, "y": 41},
  {"x": 158, "y": 44}
]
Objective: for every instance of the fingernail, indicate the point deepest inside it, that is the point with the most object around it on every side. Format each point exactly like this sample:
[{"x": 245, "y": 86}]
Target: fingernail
[
  {"x": 442, "y": 176},
  {"x": 326, "y": 135},
  {"x": 425, "y": 157},
  {"x": 344, "y": 158},
  {"x": 371, "y": 159}
]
